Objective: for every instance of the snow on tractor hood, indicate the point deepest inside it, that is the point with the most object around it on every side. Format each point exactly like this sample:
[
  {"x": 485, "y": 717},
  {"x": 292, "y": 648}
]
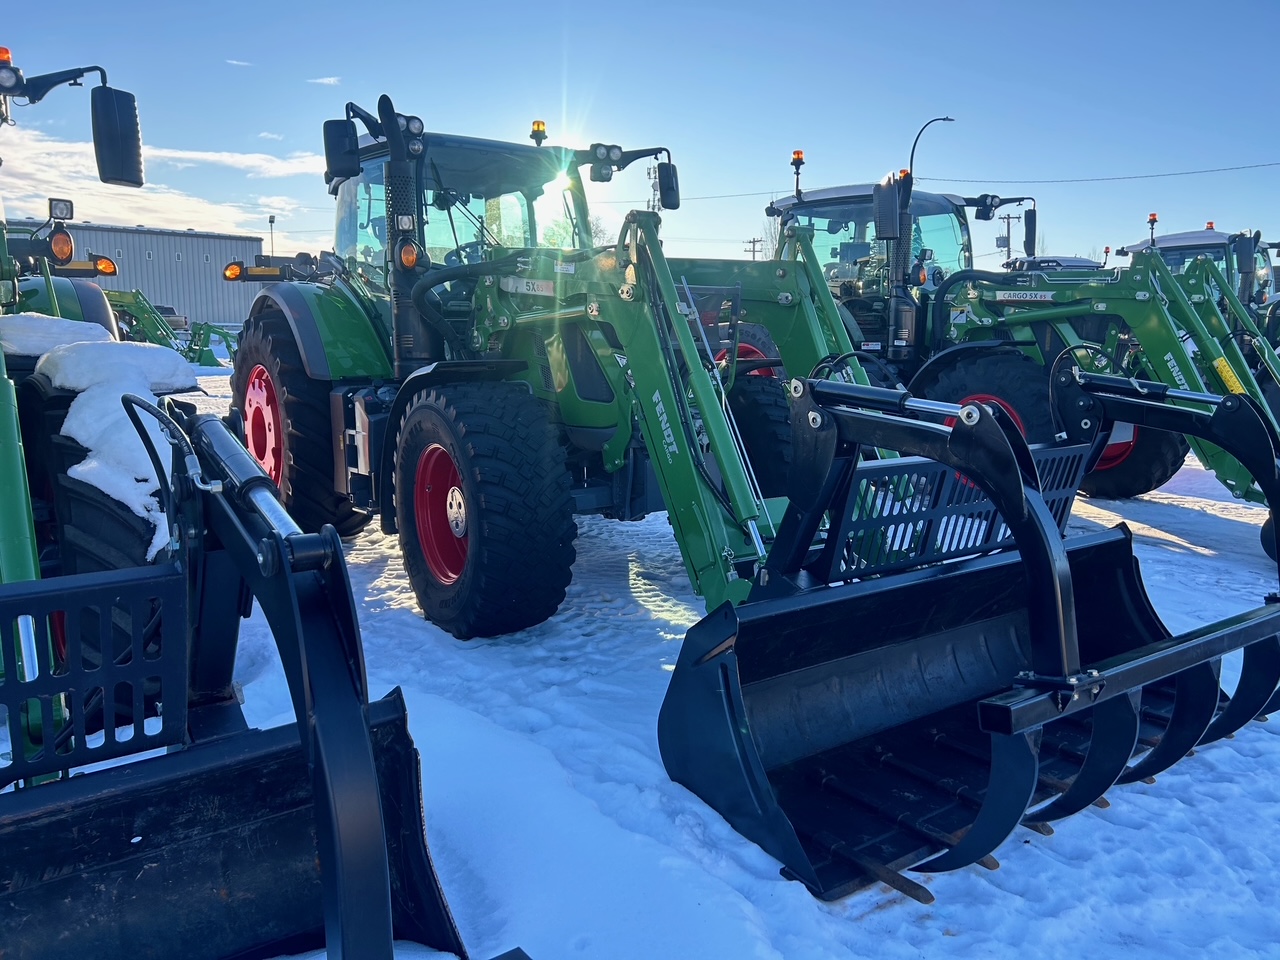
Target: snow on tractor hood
[
  {"x": 35, "y": 334},
  {"x": 117, "y": 463}
]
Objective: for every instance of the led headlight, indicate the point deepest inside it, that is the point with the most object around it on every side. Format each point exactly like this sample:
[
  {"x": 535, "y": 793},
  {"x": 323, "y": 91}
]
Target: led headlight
[
  {"x": 414, "y": 126},
  {"x": 615, "y": 153},
  {"x": 60, "y": 209},
  {"x": 414, "y": 147},
  {"x": 8, "y": 78},
  {"x": 404, "y": 222},
  {"x": 601, "y": 151},
  {"x": 402, "y": 121}
]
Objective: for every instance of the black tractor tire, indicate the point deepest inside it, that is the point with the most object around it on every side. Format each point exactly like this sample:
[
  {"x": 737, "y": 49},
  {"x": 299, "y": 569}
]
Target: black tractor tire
[
  {"x": 1268, "y": 538},
  {"x": 1270, "y": 393},
  {"x": 760, "y": 408},
  {"x": 484, "y": 508},
  {"x": 1156, "y": 456},
  {"x": 1012, "y": 380},
  {"x": 97, "y": 533},
  {"x": 301, "y": 458}
]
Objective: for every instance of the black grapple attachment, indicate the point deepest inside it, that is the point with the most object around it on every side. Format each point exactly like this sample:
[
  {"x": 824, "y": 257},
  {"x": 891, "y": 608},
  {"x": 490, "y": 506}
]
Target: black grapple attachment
[
  {"x": 220, "y": 841},
  {"x": 926, "y": 663}
]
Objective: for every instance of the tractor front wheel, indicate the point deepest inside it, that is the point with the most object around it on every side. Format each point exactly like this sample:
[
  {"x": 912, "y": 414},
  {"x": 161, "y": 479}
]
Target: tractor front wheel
[
  {"x": 484, "y": 508},
  {"x": 1011, "y": 381},
  {"x": 1142, "y": 461},
  {"x": 286, "y": 425}
]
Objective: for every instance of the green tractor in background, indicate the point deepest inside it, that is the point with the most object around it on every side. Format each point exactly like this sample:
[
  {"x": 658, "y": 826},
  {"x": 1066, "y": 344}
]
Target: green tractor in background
[{"x": 954, "y": 333}]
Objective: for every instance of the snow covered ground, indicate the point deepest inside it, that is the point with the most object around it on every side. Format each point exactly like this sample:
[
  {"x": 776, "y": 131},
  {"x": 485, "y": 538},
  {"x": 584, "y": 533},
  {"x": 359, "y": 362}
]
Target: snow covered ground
[{"x": 554, "y": 827}]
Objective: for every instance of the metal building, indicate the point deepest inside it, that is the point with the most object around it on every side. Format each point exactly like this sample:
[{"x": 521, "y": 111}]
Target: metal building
[{"x": 179, "y": 268}]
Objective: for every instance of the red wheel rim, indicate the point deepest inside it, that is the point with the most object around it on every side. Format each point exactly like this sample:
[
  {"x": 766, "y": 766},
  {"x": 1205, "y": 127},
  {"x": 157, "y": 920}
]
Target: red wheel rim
[
  {"x": 747, "y": 352},
  {"x": 994, "y": 401},
  {"x": 1121, "y": 446},
  {"x": 263, "y": 423},
  {"x": 440, "y": 513}
]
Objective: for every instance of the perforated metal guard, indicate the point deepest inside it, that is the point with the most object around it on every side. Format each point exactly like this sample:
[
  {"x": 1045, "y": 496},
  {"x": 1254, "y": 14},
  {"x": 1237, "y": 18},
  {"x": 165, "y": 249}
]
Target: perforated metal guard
[
  {"x": 913, "y": 511},
  {"x": 144, "y": 628}
]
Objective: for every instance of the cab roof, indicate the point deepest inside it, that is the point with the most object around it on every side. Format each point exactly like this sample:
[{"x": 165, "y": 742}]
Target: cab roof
[
  {"x": 854, "y": 191},
  {"x": 484, "y": 168}
]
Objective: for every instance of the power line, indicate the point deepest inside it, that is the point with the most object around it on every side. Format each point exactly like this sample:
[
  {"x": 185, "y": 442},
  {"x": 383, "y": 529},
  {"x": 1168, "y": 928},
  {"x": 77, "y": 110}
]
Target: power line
[{"x": 1135, "y": 176}]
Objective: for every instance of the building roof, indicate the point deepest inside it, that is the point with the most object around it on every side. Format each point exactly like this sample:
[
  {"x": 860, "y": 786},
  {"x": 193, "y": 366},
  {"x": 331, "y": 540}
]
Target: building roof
[{"x": 139, "y": 228}]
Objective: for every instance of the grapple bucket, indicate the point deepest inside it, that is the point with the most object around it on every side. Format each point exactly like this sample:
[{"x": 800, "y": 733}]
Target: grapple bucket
[
  {"x": 933, "y": 665},
  {"x": 183, "y": 833}
]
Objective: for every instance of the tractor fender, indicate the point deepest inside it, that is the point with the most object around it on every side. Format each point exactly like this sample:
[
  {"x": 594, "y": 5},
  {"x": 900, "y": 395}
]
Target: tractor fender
[
  {"x": 335, "y": 336},
  {"x": 75, "y": 300},
  {"x": 433, "y": 374},
  {"x": 944, "y": 360}
]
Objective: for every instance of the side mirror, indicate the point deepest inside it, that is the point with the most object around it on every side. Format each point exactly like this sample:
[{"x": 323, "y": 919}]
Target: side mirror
[
  {"x": 884, "y": 204},
  {"x": 117, "y": 137},
  {"x": 341, "y": 150},
  {"x": 668, "y": 186},
  {"x": 1029, "y": 237}
]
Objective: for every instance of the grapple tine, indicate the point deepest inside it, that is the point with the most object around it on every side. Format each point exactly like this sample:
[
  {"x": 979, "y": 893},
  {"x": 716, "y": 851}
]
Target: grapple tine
[
  {"x": 1259, "y": 675},
  {"x": 1115, "y": 733},
  {"x": 1014, "y": 774},
  {"x": 1195, "y": 701}
]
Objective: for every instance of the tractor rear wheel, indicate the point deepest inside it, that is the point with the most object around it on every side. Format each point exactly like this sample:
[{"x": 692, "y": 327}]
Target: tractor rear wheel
[
  {"x": 484, "y": 508},
  {"x": 1268, "y": 537},
  {"x": 1139, "y": 466},
  {"x": 1011, "y": 381},
  {"x": 287, "y": 426},
  {"x": 763, "y": 415}
]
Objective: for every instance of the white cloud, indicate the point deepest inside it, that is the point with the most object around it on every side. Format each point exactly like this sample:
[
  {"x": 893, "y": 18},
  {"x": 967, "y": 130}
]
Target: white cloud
[
  {"x": 38, "y": 166},
  {"x": 253, "y": 164},
  {"x": 240, "y": 63},
  {"x": 264, "y": 135},
  {"x": 327, "y": 81}
]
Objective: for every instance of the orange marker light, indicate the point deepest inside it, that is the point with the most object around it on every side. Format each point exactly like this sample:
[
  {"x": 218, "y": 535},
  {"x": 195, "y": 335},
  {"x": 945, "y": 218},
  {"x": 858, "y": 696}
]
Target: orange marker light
[
  {"x": 6, "y": 57},
  {"x": 539, "y": 132},
  {"x": 105, "y": 266},
  {"x": 1106, "y": 249},
  {"x": 409, "y": 255},
  {"x": 1152, "y": 218},
  {"x": 61, "y": 246},
  {"x": 797, "y": 156},
  {"x": 1209, "y": 225},
  {"x": 232, "y": 270},
  {"x": 902, "y": 174}
]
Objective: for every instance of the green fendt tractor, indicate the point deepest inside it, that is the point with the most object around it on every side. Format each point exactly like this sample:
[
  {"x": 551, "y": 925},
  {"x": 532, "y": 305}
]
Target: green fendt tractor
[
  {"x": 954, "y": 333},
  {"x": 890, "y": 645},
  {"x": 140, "y": 816}
]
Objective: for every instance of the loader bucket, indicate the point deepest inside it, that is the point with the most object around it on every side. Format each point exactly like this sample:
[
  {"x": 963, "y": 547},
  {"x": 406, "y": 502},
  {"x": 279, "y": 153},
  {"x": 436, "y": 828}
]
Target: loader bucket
[
  {"x": 908, "y": 718},
  {"x": 206, "y": 853}
]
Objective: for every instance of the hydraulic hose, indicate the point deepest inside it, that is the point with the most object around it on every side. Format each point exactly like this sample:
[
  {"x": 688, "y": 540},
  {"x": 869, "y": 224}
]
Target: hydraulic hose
[{"x": 938, "y": 317}]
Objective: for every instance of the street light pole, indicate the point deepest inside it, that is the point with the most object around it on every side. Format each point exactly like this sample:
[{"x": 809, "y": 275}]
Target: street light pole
[
  {"x": 271, "y": 222},
  {"x": 911, "y": 164}
]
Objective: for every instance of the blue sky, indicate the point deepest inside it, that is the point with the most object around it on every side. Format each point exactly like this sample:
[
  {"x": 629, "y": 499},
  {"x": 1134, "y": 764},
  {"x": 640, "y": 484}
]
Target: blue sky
[{"x": 229, "y": 102}]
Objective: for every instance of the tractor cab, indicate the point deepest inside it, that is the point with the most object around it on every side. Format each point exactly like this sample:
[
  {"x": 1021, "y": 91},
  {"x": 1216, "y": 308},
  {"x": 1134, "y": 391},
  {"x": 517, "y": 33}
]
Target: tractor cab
[
  {"x": 857, "y": 264},
  {"x": 1233, "y": 260}
]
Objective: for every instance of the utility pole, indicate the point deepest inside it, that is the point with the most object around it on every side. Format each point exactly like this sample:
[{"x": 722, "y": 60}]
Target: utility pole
[
  {"x": 1008, "y": 219},
  {"x": 753, "y": 246}
]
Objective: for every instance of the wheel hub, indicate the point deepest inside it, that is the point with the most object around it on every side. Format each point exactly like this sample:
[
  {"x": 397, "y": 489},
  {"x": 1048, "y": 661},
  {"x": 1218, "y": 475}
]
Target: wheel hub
[
  {"x": 455, "y": 509},
  {"x": 264, "y": 422}
]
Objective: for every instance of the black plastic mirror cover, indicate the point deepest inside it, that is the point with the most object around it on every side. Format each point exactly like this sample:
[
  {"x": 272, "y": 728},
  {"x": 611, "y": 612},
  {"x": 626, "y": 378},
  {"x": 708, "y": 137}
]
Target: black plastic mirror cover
[
  {"x": 668, "y": 186},
  {"x": 884, "y": 204},
  {"x": 341, "y": 149},
  {"x": 117, "y": 137},
  {"x": 1029, "y": 238}
]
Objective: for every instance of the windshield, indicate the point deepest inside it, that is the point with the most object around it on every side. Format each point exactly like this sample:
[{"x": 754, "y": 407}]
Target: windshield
[
  {"x": 845, "y": 232},
  {"x": 1179, "y": 258},
  {"x": 459, "y": 226}
]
